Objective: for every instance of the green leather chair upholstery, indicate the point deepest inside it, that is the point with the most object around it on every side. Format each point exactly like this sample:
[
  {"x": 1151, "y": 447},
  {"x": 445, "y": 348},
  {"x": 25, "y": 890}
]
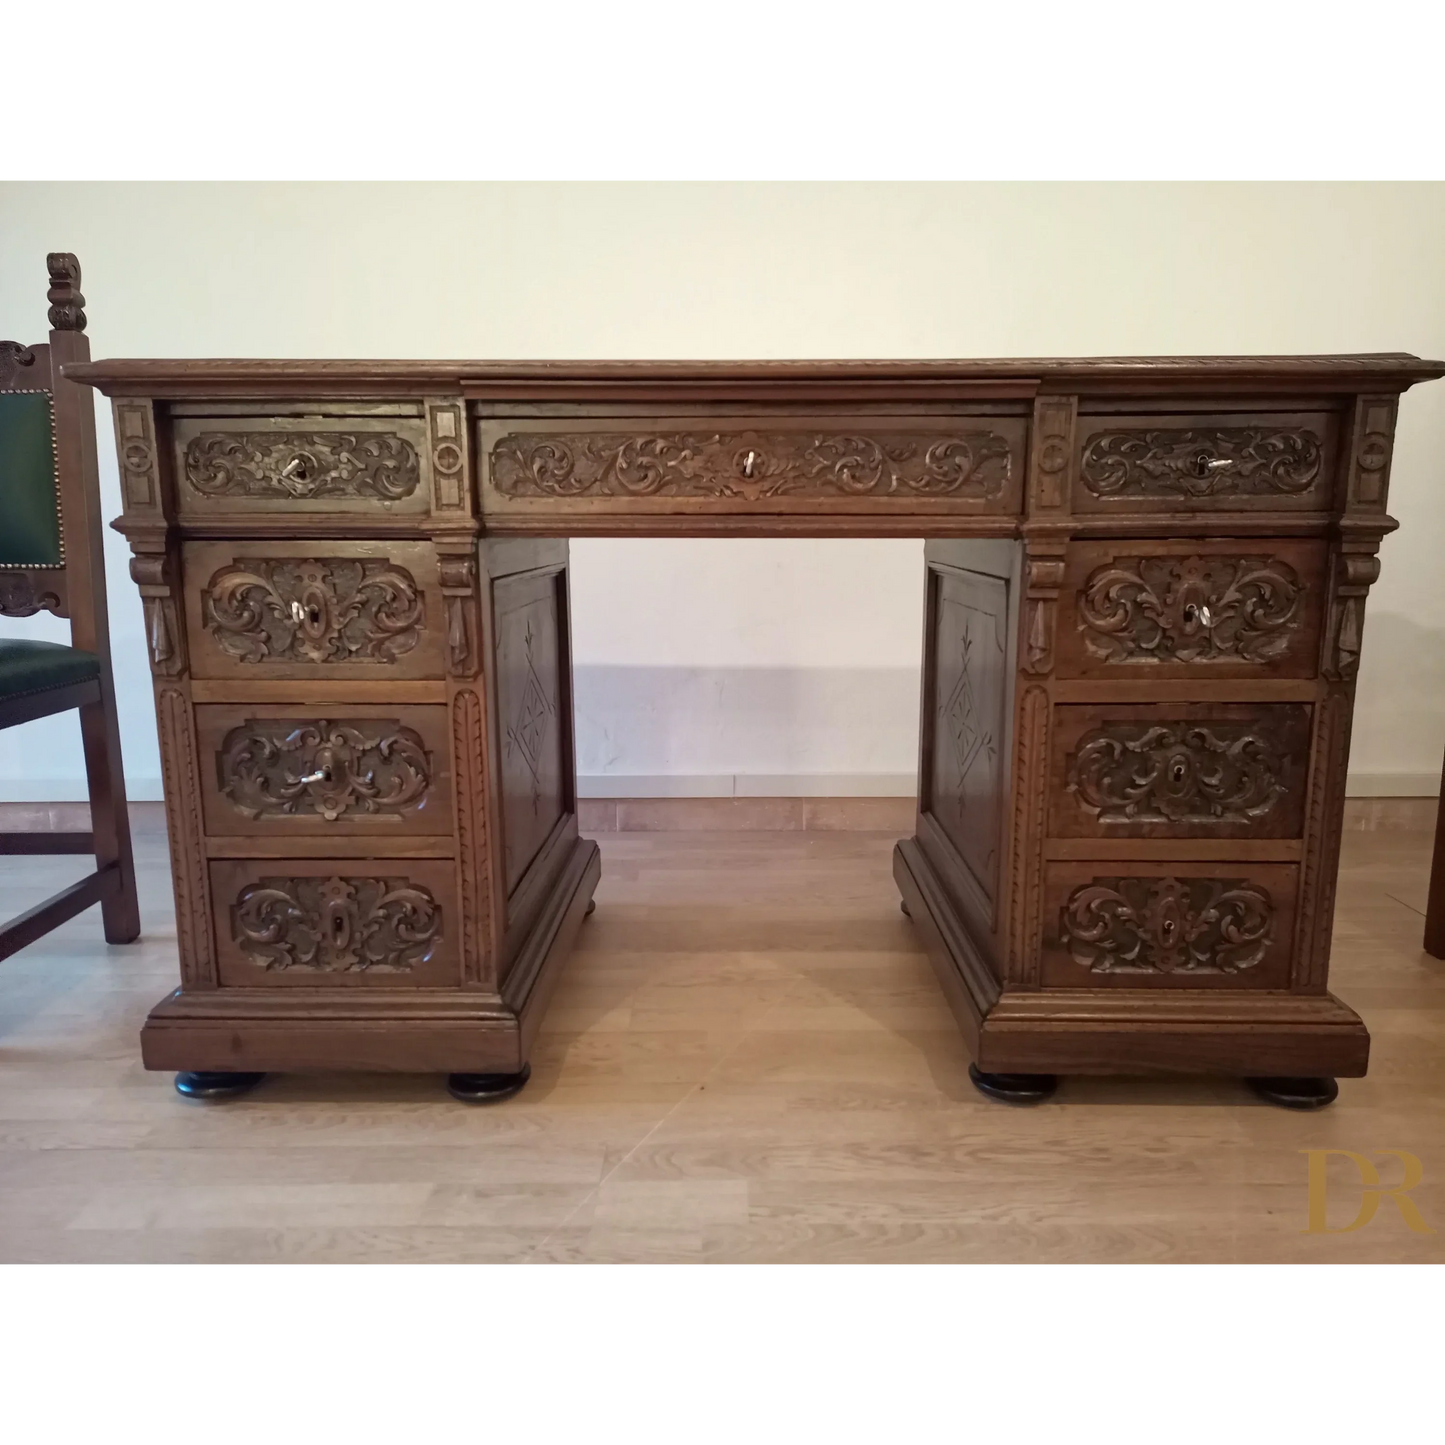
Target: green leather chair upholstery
[{"x": 51, "y": 561}]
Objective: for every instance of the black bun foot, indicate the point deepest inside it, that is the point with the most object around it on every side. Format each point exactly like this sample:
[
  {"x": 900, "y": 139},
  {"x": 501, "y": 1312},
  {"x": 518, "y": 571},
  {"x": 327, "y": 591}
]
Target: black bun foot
[
  {"x": 487, "y": 1088},
  {"x": 591, "y": 908},
  {"x": 1013, "y": 1088},
  {"x": 211, "y": 1084},
  {"x": 903, "y": 908},
  {"x": 1296, "y": 1093}
]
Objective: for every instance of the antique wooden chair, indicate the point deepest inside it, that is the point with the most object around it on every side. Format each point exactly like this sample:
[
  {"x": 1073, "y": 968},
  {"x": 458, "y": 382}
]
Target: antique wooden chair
[{"x": 51, "y": 560}]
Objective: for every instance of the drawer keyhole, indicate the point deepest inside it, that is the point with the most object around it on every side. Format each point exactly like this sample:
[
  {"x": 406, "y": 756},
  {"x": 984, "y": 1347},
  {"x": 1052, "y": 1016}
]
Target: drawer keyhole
[
  {"x": 1177, "y": 772},
  {"x": 1198, "y": 612}
]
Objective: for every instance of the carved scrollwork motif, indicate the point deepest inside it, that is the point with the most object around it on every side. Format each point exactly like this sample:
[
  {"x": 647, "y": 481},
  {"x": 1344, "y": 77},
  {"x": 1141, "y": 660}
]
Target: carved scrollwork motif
[
  {"x": 358, "y": 768},
  {"x": 336, "y": 925},
  {"x": 1190, "y": 609},
  {"x": 21, "y": 596},
  {"x": 752, "y": 465},
  {"x": 302, "y": 464},
  {"x": 1202, "y": 462},
  {"x": 330, "y": 610},
  {"x": 1187, "y": 772},
  {"x": 1167, "y": 925},
  {"x": 13, "y": 358}
]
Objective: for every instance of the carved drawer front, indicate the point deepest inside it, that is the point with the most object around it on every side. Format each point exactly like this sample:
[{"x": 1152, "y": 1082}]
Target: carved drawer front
[
  {"x": 1241, "y": 609},
  {"x": 336, "y": 923},
  {"x": 289, "y": 771},
  {"x": 1179, "y": 770},
  {"x": 752, "y": 464},
  {"x": 1170, "y": 925},
  {"x": 343, "y": 610},
  {"x": 295, "y": 465},
  {"x": 1240, "y": 462}
]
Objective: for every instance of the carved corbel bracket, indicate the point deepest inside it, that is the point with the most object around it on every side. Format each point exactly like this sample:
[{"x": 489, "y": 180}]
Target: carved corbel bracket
[
  {"x": 152, "y": 571},
  {"x": 1356, "y": 567},
  {"x": 459, "y": 589},
  {"x": 22, "y": 594},
  {"x": 1043, "y": 578}
]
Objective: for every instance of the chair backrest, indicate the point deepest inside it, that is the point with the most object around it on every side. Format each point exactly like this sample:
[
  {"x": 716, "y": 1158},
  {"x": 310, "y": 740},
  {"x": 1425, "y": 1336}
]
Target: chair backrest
[{"x": 51, "y": 555}]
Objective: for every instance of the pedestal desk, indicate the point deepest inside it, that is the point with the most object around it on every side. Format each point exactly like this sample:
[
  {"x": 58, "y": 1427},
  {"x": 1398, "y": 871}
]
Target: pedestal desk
[{"x": 1146, "y": 583}]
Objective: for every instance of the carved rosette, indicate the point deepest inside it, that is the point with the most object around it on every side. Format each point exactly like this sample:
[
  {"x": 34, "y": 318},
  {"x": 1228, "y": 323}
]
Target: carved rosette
[
  {"x": 446, "y": 432},
  {"x": 1180, "y": 773},
  {"x": 302, "y": 465},
  {"x": 1190, "y": 609},
  {"x": 1053, "y": 449},
  {"x": 326, "y": 610},
  {"x": 357, "y": 768},
  {"x": 1167, "y": 925},
  {"x": 21, "y": 595},
  {"x": 336, "y": 925},
  {"x": 1202, "y": 462},
  {"x": 752, "y": 465},
  {"x": 1373, "y": 442}
]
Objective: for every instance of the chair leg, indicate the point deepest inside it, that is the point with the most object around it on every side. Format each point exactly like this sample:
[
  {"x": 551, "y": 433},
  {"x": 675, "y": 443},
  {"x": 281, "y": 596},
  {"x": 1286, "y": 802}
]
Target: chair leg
[{"x": 109, "y": 820}]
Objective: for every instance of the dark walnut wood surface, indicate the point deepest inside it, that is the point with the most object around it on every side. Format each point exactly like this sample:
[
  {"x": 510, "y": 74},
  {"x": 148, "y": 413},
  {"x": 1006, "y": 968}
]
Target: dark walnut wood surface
[{"x": 1144, "y": 611}]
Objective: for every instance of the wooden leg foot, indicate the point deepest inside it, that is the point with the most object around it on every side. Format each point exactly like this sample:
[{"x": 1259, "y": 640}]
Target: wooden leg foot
[
  {"x": 591, "y": 908},
  {"x": 1013, "y": 1088},
  {"x": 1296, "y": 1093},
  {"x": 487, "y": 1088},
  {"x": 211, "y": 1085},
  {"x": 903, "y": 908}
]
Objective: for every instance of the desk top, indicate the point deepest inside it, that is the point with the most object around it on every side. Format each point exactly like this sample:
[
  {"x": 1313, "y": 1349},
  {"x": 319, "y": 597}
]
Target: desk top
[{"x": 750, "y": 380}]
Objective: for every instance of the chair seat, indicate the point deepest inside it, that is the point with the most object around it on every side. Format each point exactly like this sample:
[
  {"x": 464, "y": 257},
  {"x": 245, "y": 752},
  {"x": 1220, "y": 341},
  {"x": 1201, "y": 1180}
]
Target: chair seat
[{"x": 30, "y": 666}]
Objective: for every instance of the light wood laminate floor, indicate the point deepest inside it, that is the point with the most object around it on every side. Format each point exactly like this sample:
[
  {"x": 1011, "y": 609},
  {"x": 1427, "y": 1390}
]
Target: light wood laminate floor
[{"x": 747, "y": 1059}]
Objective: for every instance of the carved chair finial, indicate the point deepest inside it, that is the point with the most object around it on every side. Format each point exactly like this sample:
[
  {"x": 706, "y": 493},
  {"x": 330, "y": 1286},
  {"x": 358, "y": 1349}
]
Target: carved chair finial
[
  {"x": 67, "y": 305},
  {"x": 13, "y": 356}
]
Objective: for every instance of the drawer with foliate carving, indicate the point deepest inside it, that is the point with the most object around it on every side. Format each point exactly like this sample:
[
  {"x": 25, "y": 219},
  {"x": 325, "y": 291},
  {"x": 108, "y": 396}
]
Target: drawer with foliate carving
[
  {"x": 1168, "y": 925},
  {"x": 1248, "y": 608},
  {"x": 299, "y": 465},
  {"x": 757, "y": 464},
  {"x": 1179, "y": 770},
  {"x": 1242, "y": 462},
  {"x": 343, "y": 610},
  {"x": 336, "y": 923},
  {"x": 286, "y": 771}
]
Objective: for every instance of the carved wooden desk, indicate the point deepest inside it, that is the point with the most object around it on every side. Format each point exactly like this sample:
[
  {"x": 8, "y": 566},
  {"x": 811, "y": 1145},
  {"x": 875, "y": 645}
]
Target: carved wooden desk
[{"x": 1146, "y": 583}]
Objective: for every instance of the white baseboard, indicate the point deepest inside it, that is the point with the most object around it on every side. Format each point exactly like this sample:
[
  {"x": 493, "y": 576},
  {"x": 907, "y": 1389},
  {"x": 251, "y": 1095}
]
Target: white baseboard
[
  {"x": 746, "y": 785},
  {"x": 1392, "y": 785}
]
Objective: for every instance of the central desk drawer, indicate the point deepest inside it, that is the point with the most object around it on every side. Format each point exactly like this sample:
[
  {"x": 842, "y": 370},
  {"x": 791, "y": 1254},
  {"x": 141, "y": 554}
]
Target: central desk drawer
[
  {"x": 336, "y": 923},
  {"x": 338, "y": 610},
  {"x": 753, "y": 464},
  {"x": 290, "y": 772},
  {"x": 1248, "y": 608}
]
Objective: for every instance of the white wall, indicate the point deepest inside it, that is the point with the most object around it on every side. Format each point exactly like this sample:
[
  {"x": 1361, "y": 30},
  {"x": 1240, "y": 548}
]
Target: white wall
[{"x": 774, "y": 666}]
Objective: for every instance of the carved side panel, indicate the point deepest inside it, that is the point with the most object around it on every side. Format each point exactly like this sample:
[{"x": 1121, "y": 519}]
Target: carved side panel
[
  {"x": 182, "y": 786},
  {"x": 1168, "y": 926},
  {"x": 970, "y": 689},
  {"x": 336, "y": 923},
  {"x": 535, "y": 790}
]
